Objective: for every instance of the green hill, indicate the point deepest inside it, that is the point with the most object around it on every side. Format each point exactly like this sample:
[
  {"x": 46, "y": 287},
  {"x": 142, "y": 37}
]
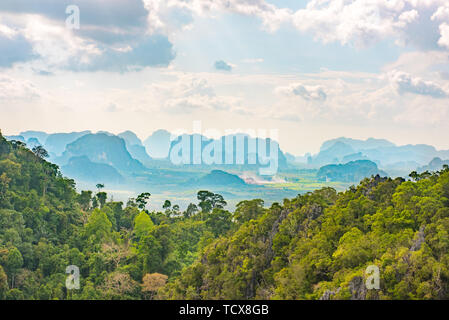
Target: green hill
[
  {"x": 319, "y": 246},
  {"x": 353, "y": 171}
]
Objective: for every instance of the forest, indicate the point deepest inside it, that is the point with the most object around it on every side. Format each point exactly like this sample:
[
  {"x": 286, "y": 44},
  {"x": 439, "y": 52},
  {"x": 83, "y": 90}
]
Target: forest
[{"x": 314, "y": 246}]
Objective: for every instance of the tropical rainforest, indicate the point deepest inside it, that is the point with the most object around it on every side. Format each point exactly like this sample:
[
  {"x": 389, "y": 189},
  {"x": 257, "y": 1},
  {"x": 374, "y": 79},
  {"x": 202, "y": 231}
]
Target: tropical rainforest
[{"x": 317, "y": 245}]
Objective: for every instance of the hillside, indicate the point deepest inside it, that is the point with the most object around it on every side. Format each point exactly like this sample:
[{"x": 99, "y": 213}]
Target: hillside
[
  {"x": 434, "y": 165},
  {"x": 353, "y": 171},
  {"x": 135, "y": 147},
  {"x": 39, "y": 216},
  {"x": 56, "y": 143},
  {"x": 319, "y": 245},
  {"x": 384, "y": 153},
  {"x": 82, "y": 169},
  {"x": 102, "y": 148},
  {"x": 219, "y": 178},
  {"x": 46, "y": 226}
]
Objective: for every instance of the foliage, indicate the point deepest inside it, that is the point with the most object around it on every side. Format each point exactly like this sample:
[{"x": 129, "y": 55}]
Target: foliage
[{"x": 319, "y": 245}]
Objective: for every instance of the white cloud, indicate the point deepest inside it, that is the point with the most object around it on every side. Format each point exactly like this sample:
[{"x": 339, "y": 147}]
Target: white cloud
[
  {"x": 405, "y": 83},
  {"x": 444, "y": 39},
  {"x": 408, "y": 17},
  {"x": 307, "y": 92},
  {"x": 164, "y": 14},
  {"x": 57, "y": 46},
  {"x": 420, "y": 63},
  {"x": 7, "y": 31},
  {"x": 12, "y": 89},
  {"x": 113, "y": 38},
  {"x": 251, "y": 61},
  {"x": 421, "y": 114},
  {"x": 187, "y": 94},
  {"x": 441, "y": 14},
  {"x": 126, "y": 33},
  {"x": 363, "y": 22}
]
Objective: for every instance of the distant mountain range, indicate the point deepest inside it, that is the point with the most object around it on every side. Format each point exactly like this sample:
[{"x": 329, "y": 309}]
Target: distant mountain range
[
  {"x": 434, "y": 165},
  {"x": 384, "y": 153},
  {"x": 240, "y": 150},
  {"x": 104, "y": 156},
  {"x": 370, "y": 143}
]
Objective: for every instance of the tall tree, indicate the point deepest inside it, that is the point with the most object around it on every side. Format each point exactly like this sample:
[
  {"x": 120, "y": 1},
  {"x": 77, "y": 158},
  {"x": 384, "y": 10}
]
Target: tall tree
[
  {"x": 98, "y": 226},
  {"x": 191, "y": 210},
  {"x": 152, "y": 282},
  {"x": 102, "y": 196},
  {"x": 40, "y": 152},
  {"x": 142, "y": 200},
  {"x": 142, "y": 224},
  {"x": 14, "y": 262}
]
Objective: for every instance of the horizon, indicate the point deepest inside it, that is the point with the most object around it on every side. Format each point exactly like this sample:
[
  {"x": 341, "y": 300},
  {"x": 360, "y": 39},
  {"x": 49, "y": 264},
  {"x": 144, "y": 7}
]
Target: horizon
[{"x": 316, "y": 148}]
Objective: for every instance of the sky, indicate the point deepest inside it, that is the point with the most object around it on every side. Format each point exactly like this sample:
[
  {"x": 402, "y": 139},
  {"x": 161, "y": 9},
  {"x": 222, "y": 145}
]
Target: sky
[{"x": 313, "y": 70}]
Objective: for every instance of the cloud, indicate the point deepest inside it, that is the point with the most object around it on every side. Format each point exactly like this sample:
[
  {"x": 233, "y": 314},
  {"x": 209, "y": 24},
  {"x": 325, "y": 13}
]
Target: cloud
[
  {"x": 12, "y": 89},
  {"x": 196, "y": 103},
  {"x": 257, "y": 60},
  {"x": 155, "y": 51},
  {"x": 188, "y": 94},
  {"x": 444, "y": 39},
  {"x": 14, "y": 47},
  {"x": 363, "y": 22},
  {"x": 113, "y": 36},
  {"x": 222, "y": 65},
  {"x": 123, "y": 35},
  {"x": 358, "y": 22},
  {"x": 161, "y": 12},
  {"x": 419, "y": 62},
  {"x": 113, "y": 15},
  {"x": 405, "y": 83},
  {"x": 309, "y": 93},
  {"x": 114, "y": 33}
]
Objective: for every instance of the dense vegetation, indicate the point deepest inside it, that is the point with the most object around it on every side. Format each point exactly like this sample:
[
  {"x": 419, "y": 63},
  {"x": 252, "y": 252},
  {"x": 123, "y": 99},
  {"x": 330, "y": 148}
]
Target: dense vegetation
[
  {"x": 314, "y": 246},
  {"x": 318, "y": 246},
  {"x": 123, "y": 252}
]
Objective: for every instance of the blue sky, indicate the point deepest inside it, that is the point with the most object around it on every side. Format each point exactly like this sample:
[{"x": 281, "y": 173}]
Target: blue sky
[{"x": 312, "y": 69}]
